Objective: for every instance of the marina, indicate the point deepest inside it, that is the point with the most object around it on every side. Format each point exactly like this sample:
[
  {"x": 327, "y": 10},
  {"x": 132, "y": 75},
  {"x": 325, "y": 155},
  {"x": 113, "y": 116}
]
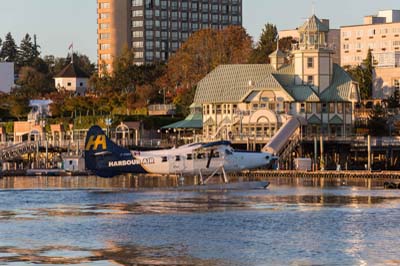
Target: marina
[{"x": 95, "y": 221}]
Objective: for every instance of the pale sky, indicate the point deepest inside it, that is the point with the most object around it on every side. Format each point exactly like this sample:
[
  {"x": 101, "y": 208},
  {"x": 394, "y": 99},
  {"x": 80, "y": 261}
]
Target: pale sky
[{"x": 58, "y": 23}]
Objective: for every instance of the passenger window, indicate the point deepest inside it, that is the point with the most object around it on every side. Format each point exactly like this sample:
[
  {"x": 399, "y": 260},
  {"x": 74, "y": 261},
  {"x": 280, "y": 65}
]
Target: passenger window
[{"x": 164, "y": 159}]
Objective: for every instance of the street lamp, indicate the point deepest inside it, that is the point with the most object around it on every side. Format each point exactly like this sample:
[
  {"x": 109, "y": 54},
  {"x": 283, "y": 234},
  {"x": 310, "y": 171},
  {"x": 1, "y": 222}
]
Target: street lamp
[{"x": 108, "y": 122}]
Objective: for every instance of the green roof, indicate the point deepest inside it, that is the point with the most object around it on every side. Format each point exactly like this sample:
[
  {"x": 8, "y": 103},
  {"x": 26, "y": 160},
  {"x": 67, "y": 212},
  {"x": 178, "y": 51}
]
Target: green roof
[
  {"x": 313, "y": 24},
  {"x": 229, "y": 83},
  {"x": 191, "y": 121},
  {"x": 336, "y": 120},
  {"x": 314, "y": 120},
  {"x": 303, "y": 93},
  {"x": 340, "y": 89},
  {"x": 232, "y": 83}
]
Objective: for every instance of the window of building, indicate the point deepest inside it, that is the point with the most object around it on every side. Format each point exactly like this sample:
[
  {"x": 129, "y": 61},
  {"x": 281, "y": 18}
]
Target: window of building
[
  {"x": 105, "y": 46},
  {"x": 104, "y": 5},
  {"x": 69, "y": 84},
  {"x": 105, "y": 56},
  {"x": 324, "y": 108},
  {"x": 137, "y": 23},
  {"x": 137, "y": 13},
  {"x": 149, "y": 45},
  {"x": 347, "y": 107},
  {"x": 319, "y": 109},
  {"x": 302, "y": 108},
  {"x": 138, "y": 55},
  {"x": 105, "y": 36},
  {"x": 331, "y": 108},
  {"x": 309, "y": 108},
  {"x": 137, "y": 2},
  {"x": 340, "y": 108},
  {"x": 164, "y": 159},
  {"x": 137, "y": 34},
  {"x": 104, "y": 15},
  {"x": 310, "y": 62},
  {"x": 104, "y": 26},
  {"x": 310, "y": 80},
  {"x": 149, "y": 24},
  {"x": 189, "y": 157}
]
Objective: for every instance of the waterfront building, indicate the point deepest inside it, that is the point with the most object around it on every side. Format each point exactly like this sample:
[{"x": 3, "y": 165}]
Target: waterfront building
[
  {"x": 73, "y": 79},
  {"x": 156, "y": 28},
  {"x": 251, "y": 103},
  {"x": 381, "y": 34}
]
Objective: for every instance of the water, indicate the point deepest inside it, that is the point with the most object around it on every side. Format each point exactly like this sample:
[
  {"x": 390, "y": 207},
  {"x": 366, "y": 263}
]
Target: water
[{"x": 284, "y": 225}]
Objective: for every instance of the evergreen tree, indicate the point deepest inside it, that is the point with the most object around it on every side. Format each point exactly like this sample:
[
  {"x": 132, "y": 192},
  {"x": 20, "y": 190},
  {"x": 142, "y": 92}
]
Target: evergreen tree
[
  {"x": 27, "y": 52},
  {"x": 266, "y": 45},
  {"x": 367, "y": 82},
  {"x": 9, "y": 50}
]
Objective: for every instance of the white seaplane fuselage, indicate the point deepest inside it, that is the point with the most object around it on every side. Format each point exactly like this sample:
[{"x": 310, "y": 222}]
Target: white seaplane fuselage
[{"x": 194, "y": 158}]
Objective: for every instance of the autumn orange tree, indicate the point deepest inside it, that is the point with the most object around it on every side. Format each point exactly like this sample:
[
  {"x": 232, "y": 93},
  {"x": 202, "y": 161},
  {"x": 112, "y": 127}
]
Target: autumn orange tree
[{"x": 199, "y": 55}]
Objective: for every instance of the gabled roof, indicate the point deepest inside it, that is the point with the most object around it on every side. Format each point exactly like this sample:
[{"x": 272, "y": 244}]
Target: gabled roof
[
  {"x": 234, "y": 83},
  {"x": 314, "y": 120},
  {"x": 336, "y": 120},
  {"x": 313, "y": 24},
  {"x": 229, "y": 83},
  {"x": 72, "y": 71},
  {"x": 341, "y": 87},
  {"x": 303, "y": 93}
]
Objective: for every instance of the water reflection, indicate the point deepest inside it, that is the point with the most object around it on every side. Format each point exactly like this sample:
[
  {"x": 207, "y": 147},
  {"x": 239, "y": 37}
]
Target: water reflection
[
  {"x": 287, "y": 224},
  {"x": 134, "y": 182},
  {"x": 112, "y": 255}
]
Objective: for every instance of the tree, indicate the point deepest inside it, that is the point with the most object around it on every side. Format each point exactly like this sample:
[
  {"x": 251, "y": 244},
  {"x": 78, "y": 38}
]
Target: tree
[
  {"x": 266, "y": 45},
  {"x": 33, "y": 83},
  {"x": 204, "y": 51},
  {"x": 363, "y": 74},
  {"x": 27, "y": 52},
  {"x": 368, "y": 68},
  {"x": 377, "y": 123},
  {"x": 9, "y": 50}
]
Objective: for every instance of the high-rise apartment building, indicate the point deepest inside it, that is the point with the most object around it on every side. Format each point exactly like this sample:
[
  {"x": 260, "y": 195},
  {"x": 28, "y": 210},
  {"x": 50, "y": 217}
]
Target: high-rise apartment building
[
  {"x": 156, "y": 28},
  {"x": 381, "y": 34}
]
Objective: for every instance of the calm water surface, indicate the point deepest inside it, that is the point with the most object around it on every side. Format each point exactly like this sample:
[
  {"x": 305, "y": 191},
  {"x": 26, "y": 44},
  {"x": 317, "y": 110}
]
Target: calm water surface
[{"x": 283, "y": 225}]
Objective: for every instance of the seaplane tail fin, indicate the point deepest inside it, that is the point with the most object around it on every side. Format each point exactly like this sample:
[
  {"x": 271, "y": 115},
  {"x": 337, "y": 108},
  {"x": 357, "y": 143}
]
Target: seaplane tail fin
[{"x": 105, "y": 158}]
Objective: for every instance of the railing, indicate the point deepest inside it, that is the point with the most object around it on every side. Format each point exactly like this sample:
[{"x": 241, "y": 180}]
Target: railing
[{"x": 161, "y": 109}]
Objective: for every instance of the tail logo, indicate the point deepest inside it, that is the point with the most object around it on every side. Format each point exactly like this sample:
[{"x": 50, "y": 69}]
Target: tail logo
[{"x": 95, "y": 141}]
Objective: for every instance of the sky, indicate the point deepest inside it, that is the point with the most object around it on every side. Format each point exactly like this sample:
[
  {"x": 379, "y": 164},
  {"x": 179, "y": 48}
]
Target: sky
[{"x": 58, "y": 23}]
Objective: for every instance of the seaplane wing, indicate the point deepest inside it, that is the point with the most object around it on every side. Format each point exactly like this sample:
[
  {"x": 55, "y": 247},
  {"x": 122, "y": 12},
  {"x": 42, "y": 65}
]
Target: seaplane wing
[{"x": 106, "y": 159}]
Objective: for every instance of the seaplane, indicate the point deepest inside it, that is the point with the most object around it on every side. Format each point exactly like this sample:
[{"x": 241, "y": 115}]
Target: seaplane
[{"x": 106, "y": 159}]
